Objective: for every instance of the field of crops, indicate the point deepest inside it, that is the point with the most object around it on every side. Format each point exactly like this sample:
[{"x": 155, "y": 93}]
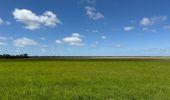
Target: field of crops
[{"x": 38, "y": 79}]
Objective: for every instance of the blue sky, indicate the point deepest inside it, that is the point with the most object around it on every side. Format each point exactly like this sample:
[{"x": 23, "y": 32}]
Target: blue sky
[{"x": 85, "y": 27}]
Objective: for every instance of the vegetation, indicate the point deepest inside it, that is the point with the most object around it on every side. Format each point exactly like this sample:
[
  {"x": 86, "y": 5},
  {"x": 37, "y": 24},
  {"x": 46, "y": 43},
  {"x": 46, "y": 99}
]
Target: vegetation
[
  {"x": 14, "y": 56},
  {"x": 38, "y": 79}
]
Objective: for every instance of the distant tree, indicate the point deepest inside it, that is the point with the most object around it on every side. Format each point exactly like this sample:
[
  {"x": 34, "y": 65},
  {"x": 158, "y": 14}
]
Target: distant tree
[{"x": 14, "y": 56}]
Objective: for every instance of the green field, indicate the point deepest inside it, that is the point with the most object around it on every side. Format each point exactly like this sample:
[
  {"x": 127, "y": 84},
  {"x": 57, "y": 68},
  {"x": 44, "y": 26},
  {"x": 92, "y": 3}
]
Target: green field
[{"x": 36, "y": 79}]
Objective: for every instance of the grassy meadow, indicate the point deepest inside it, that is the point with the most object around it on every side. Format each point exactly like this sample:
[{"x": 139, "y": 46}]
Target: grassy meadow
[{"x": 118, "y": 79}]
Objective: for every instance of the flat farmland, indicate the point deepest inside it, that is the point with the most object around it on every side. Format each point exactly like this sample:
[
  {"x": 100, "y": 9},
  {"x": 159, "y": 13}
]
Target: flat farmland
[{"x": 85, "y": 79}]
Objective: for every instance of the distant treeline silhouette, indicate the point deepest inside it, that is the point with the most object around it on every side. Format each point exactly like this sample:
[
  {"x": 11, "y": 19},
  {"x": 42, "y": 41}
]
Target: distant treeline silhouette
[{"x": 14, "y": 56}]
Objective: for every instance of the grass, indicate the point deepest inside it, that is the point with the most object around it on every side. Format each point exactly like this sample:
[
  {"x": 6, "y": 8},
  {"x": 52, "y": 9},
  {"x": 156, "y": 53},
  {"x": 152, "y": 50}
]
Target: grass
[{"x": 38, "y": 79}]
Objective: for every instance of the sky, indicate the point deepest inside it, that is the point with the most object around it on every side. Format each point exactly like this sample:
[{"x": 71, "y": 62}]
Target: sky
[{"x": 85, "y": 27}]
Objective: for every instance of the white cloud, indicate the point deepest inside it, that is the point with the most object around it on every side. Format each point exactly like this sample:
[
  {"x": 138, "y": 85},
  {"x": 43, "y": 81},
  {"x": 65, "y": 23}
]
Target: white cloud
[
  {"x": 104, "y": 37},
  {"x": 76, "y": 35},
  {"x": 155, "y": 50},
  {"x": 95, "y": 31},
  {"x": 153, "y": 20},
  {"x": 59, "y": 42},
  {"x": 167, "y": 27},
  {"x": 146, "y": 22},
  {"x": 3, "y": 43},
  {"x": 4, "y": 22},
  {"x": 149, "y": 30},
  {"x": 43, "y": 38},
  {"x": 133, "y": 21},
  {"x": 8, "y": 23},
  {"x": 75, "y": 40},
  {"x": 1, "y": 21},
  {"x": 128, "y": 28},
  {"x": 91, "y": 1},
  {"x": 43, "y": 50},
  {"x": 3, "y": 38},
  {"x": 119, "y": 46},
  {"x": 157, "y": 19},
  {"x": 44, "y": 46},
  {"x": 93, "y": 14},
  {"x": 33, "y": 21},
  {"x": 95, "y": 45},
  {"x": 96, "y": 42},
  {"x": 22, "y": 42}
]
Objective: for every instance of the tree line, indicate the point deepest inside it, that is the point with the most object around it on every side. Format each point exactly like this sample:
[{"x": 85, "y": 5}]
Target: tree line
[{"x": 14, "y": 56}]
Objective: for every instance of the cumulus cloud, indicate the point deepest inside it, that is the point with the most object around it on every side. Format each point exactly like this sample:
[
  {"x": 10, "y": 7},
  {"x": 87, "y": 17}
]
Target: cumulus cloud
[
  {"x": 153, "y": 20},
  {"x": 75, "y": 40},
  {"x": 33, "y": 21},
  {"x": 22, "y": 42},
  {"x": 128, "y": 28},
  {"x": 146, "y": 22},
  {"x": 93, "y": 14}
]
